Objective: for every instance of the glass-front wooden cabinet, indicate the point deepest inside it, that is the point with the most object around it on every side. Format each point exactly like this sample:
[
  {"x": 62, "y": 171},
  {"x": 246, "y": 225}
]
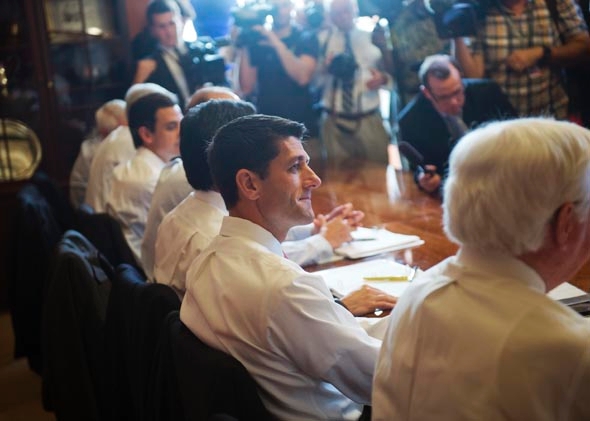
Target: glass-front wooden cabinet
[{"x": 59, "y": 61}]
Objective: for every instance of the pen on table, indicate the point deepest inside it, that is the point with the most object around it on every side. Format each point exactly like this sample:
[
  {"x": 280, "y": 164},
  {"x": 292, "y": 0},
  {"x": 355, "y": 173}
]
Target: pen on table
[
  {"x": 392, "y": 278},
  {"x": 386, "y": 278}
]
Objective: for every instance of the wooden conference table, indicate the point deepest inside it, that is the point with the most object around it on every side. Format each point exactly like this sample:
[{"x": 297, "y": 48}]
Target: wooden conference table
[{"x": 390, "y": 199}]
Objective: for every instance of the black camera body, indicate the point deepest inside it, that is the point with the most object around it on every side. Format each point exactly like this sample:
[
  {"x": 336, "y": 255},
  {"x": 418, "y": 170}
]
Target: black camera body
[
  {"x": 454, "y": 19},
  {"x": 248, "y": 17},
  {"x": 343, "y": 66},
  {"x": 207, "y": 61}
]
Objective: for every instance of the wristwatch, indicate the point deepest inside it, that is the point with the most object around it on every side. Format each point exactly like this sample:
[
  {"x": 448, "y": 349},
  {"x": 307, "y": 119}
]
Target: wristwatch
[{"x": 546, "y": 57}]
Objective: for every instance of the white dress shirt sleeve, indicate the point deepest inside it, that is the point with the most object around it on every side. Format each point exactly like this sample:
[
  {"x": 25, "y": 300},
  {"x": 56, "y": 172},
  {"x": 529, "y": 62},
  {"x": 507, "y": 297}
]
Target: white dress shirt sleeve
[{"x": 333, "y": 346}]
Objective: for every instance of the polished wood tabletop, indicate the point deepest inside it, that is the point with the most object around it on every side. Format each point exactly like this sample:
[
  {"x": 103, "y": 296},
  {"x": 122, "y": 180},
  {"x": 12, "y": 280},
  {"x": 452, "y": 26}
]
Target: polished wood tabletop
[{"x": 391, "y": 199}]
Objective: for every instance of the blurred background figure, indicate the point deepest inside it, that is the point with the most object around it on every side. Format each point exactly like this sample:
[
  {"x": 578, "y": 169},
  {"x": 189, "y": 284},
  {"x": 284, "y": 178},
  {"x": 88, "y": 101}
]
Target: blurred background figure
[
  {"x": 352, "y": 73},
  {"x": 276, "y": 66},
  {"x": 178, "y": 66},
  {"x": 108, "y": 117},
  {"x": 413, "y": 38},
  {"x": 145, "y": 43}
]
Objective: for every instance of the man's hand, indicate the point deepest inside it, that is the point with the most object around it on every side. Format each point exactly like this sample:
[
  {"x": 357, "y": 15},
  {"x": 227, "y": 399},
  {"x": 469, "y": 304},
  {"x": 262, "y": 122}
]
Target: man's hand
[
  {"x": 429, "y": 180},
  {"x": 377, "y": 80},
  {"x": 368, "y": 299},
  {"x": 336, "y": 232},
  {"x": 521, "y": 60},
  {"x": 270, "y": 38},
  {"x": 346, "y": 211},
  {"x": 144, "y": 69}
]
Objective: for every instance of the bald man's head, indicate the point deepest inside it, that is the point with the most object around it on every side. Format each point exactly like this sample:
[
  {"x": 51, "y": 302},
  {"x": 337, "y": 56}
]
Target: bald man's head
[{"x": 211, "y": 92}]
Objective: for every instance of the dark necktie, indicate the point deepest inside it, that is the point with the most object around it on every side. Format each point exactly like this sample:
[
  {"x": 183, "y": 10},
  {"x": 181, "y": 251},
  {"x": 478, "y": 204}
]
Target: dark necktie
[
  {"x": 456, "y": 125},
  {"x": 347, "y": 84}
]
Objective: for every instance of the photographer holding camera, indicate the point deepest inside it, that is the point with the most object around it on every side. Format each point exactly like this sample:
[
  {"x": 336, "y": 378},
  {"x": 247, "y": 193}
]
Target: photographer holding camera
[
  {"x": 177, "y": 66},
  {"x": 524, "y": 45},
  {"x": 277, "y": 64},
  {"x": 352, "y": 125}
]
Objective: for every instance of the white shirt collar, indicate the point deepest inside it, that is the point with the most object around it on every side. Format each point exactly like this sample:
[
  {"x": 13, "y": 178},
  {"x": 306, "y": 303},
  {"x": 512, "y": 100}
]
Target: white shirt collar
[
  {"x": 500, "y": 265},
  {"x": 150, "y": 157},
  {"x": 239, "y": 227},
  {"x": 213, "y": 198}
]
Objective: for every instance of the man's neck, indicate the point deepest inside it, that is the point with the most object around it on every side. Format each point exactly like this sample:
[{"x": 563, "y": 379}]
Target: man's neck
[{"x": 544, "y": 263}]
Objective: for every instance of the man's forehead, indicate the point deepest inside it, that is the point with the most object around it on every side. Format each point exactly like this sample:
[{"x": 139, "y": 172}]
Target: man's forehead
[
  {"x": 168, "y": 112},
  {"x": 292, "y": 148},
  {"x": 160, "y": 18}
]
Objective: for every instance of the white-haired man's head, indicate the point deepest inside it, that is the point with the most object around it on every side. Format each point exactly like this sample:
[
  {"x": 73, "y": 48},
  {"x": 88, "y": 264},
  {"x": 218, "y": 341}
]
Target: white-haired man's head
[
  {"x": 110, "y": 115},
  {"x": 508, "y": 180},
  {"x": 140, "y": 90},
  {"x": 342, "y": 13}
]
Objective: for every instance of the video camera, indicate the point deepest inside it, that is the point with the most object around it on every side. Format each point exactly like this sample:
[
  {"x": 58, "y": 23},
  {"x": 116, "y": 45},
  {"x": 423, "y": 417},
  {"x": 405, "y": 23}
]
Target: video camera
[
  {"x": 209, "y": 63},
  {"x": 246, "y": 18},
  {"x": 456, "y": 18}
]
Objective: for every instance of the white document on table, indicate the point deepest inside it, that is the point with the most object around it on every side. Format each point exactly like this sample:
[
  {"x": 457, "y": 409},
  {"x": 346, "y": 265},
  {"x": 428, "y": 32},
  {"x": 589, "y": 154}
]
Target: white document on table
[
  {"x": 343, "y": 280},
  {"x": 371, "y": 241}
]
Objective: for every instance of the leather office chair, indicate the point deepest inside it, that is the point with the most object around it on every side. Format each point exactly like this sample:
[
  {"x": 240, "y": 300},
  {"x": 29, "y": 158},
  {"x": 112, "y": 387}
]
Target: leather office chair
[
  {"x": 73, "y": 330},
  {"x": 193, "y": 381},
  {"x": 135, "y": 314}
]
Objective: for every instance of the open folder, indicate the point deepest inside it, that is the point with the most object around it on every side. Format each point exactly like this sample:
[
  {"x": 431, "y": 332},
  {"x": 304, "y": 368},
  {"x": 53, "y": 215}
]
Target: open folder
[
  {"x": 371, "y": 241},
  {"x": 388, "y": 275}
]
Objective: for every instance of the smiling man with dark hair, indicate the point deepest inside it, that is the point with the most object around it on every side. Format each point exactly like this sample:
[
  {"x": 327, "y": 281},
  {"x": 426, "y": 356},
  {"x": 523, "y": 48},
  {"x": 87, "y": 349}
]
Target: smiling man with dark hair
[{"x": 308, "y": 355}]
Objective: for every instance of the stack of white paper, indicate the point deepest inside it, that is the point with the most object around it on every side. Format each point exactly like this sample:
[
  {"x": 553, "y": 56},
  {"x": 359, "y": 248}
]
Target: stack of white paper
[{"x": 369, "y": 242}]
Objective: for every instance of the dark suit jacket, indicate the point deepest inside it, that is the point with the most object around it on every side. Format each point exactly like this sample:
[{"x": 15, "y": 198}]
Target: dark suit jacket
[
  {"x": 73, "y": 344},
  {"x": 163, "y": 77},
  {"x": 423, "y": 127}
]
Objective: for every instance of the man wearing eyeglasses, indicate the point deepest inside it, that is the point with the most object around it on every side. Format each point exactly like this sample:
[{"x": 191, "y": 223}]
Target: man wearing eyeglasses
[{"x": 444, "y": 110}]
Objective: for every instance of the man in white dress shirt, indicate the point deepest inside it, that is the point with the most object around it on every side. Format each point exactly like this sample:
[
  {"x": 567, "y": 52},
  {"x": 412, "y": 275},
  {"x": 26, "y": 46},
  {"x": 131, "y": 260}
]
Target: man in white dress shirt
[
  {"x": 308, "y": 355},
  {"x": 115, "y": 149},
  {"x": 351, "y": 72},
  {"x": 476, "y": 338},
  {"x": 190, "y": 226},
  {"x": 154, "y": 121},
  {"x": 173, "y": 187},
  {"x": 182, "y": 236},
  {"x": 108, "y": 117}
]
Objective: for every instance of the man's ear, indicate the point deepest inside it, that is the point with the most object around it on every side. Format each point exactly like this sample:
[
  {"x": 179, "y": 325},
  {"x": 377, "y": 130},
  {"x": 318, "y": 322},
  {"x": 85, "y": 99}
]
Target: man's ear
[
  {"x": 146, "y": 135},
  {"x": 248, "y": 184},
  {"x": 425, "y": 92},
  {"x": 564, "y": 223}
]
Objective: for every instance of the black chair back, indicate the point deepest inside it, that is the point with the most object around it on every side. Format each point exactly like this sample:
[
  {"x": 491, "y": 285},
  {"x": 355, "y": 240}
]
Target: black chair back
[
  {"x": 209, "y": 384},
  {"x": 73, "y": 331},
  {"x": 135, "y": 314},
  {"x": 35, "y": 233}
]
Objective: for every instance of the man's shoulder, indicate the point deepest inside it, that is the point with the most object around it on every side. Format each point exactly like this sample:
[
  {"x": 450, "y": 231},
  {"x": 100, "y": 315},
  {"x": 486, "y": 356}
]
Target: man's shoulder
[{"x": 418, "y": 108}]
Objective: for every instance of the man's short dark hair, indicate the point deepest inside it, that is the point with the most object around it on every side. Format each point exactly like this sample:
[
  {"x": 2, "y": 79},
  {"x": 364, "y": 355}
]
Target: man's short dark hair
[
  {"x": 157, "y": 7},
  {"x": 438, "y": 66},
  {"x": 196, "y": 131},
  {"x": 143, "y": 113},
  {"x": 251, "y": 143}
]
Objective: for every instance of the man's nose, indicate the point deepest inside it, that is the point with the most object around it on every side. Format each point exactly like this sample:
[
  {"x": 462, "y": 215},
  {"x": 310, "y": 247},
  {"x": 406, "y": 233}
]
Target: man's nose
[{"x": 312, "y": 181}]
